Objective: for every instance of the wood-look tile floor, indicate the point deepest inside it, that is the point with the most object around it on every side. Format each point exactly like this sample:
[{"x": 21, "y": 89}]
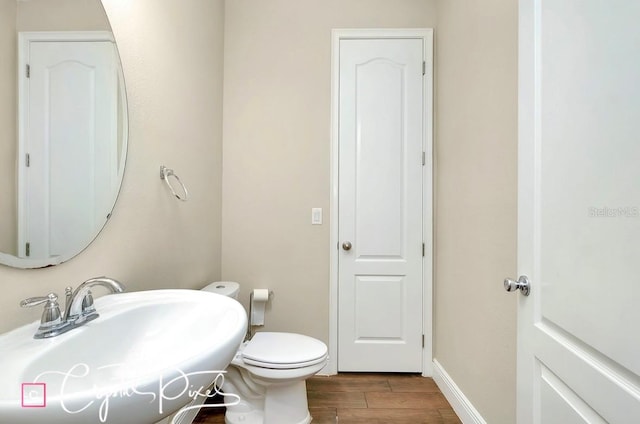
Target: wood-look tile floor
[{"x": 358, "y": 398}]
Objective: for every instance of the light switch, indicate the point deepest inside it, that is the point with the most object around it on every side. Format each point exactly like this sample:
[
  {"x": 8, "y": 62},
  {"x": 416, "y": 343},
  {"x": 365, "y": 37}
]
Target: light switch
[{"x": 316, "y": 216}]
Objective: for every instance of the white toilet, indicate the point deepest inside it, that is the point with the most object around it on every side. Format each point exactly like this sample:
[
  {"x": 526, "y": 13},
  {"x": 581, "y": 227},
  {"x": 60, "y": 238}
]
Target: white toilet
[{"x": 268, "y": 373}]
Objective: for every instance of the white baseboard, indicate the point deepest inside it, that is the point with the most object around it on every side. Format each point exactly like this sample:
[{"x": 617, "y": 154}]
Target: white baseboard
[{"x": 459, "y": 402}]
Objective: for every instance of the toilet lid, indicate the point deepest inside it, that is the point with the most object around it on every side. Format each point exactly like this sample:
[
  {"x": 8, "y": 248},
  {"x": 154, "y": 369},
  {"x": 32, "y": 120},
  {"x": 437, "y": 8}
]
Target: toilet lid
[{"x": 283, "y": 350}]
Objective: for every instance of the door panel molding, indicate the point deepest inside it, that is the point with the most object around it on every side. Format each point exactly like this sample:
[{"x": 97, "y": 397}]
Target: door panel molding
[{"x": 427, "y": 195}]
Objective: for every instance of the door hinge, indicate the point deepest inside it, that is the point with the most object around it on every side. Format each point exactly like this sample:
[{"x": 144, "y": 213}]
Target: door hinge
[
  {"x": 28, "y": 71},
  {"x": 27, "y": 249},
  {"x": 424, "y": 158},
  {"x": 422, "y": 249},
  {"x": 27, "y": 160},
  {"x": 423, "y": 340},
  {"x": 424, "y": 67}
]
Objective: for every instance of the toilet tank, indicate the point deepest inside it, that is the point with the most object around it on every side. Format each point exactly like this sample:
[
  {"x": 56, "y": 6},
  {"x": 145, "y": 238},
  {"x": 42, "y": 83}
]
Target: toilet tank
[{"x": 225, "y": 288}]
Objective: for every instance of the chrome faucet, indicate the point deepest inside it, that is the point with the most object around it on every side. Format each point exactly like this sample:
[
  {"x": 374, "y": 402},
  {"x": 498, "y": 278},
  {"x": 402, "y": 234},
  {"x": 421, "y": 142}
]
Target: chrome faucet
[
  {"x": 80, "y": 302},
  {"x": 79, "y": 308}
]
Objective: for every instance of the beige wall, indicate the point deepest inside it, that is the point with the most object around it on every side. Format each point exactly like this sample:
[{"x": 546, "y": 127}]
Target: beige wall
[
  {"x": 8, "y": 135},
  {"x": 172, "y": 57},
  {"x": 276, "y": 167},
  {"x": 475, "y": 232},
  {"x": 61, "y": 15},
  {"x": 277, "y": 146}
]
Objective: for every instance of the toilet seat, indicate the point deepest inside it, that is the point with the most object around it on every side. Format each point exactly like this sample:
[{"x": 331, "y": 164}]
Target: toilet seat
[{"x": 283, "y": 351}]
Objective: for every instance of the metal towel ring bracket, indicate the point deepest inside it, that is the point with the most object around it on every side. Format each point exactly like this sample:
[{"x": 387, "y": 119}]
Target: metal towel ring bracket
[{"x": 165, "y": 173}]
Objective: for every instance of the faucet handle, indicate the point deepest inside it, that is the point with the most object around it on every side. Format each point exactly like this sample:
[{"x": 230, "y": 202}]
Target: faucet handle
[
  {"x": 35, "y": 301},
  {"x": 51, "y": 314}
]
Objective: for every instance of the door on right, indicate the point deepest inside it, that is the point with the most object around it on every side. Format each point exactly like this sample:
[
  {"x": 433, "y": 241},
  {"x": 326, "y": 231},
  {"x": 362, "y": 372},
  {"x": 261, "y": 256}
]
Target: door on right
[{"x": 579, "y": 212}]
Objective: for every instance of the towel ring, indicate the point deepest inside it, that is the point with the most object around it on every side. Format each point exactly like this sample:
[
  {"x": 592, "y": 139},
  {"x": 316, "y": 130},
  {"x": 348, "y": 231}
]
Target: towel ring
[{"x": 165, "y": 173}]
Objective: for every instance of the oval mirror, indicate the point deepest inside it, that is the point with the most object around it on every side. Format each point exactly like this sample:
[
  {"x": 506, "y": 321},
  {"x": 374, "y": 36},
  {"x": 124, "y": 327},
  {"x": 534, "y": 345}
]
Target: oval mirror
[{"x": 63, "y": 115}]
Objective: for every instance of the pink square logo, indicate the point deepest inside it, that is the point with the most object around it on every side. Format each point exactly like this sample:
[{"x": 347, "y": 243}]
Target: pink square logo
[{"x": 34, "y": 395}]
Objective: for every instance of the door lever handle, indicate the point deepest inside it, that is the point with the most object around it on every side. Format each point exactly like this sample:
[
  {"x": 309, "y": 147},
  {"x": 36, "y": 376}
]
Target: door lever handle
[{"x": 523, "y": 284}]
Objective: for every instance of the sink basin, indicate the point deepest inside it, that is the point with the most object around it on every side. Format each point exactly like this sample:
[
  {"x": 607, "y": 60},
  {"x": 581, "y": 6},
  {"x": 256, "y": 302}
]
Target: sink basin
[{"x": 145, "y": 357}]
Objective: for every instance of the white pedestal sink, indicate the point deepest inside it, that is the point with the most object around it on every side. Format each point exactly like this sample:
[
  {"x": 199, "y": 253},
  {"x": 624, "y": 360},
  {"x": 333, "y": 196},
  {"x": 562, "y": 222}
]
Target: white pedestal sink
[{"x": 146, "y": 356}]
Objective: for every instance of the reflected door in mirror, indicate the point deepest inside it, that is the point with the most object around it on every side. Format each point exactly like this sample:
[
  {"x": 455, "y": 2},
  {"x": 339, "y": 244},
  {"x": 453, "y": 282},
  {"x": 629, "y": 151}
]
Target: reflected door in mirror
[{"x": 70, "y": 124}]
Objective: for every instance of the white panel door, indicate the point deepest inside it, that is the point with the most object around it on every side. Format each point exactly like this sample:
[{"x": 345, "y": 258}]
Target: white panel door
[
  {"x": 380, "y": 205},
  {"x": 71, "y": 142},
  {"x": 579, "y": 212}
]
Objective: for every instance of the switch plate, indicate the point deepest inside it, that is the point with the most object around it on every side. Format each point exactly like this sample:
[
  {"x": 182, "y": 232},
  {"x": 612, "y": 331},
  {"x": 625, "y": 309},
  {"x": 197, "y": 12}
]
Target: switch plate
[{"x": 316, "y": 216}]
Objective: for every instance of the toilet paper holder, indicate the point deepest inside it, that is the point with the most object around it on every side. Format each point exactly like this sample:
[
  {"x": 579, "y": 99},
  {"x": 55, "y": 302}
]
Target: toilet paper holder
[{"x": 256, "y": 312}]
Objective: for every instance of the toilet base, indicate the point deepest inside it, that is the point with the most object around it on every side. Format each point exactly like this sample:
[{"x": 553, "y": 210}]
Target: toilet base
[
  {"x": 283, "y": 403},
  {"x": 255, "y": 417}
]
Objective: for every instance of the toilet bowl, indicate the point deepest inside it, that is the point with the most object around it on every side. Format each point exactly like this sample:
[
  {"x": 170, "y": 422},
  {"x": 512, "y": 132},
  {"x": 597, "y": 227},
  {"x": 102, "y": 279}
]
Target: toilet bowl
[{"x": 268, "y": 374}]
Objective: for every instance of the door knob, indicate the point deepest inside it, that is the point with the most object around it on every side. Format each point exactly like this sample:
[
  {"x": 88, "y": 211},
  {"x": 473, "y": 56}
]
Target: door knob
[
  {"x": 522, "y": 284},
  {"x": 346, "y": 245}
]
